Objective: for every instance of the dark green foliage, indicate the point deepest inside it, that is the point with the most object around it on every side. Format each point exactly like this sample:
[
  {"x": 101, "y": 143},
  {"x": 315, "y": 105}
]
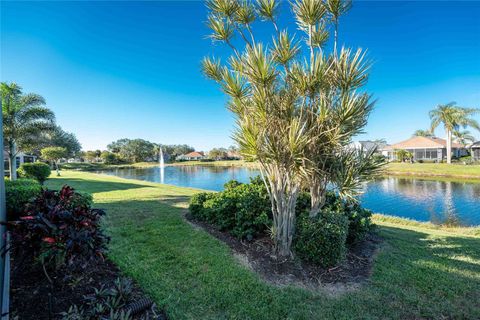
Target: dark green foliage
[
  {"x": 104, "y": 303},
  {"x": 360, "y": 222},
  {"x": 18, "y": 193},
  {"x": 60, "y": 228},
  {"x": 242, "y": 209},
  {"x": 322, "y": 239},
  {"x": 36, "y": 170},
  {"x": 303, "y": 203}
]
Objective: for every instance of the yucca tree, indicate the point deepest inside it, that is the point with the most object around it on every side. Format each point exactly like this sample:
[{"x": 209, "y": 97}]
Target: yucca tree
[
  {"x": 422, "y": 133},
  {"x": 337, "y": 8},
  {"x": 453, "y": 118},
  {"x": 24, "y": 118},
  {"x": 294, "y": 114}
]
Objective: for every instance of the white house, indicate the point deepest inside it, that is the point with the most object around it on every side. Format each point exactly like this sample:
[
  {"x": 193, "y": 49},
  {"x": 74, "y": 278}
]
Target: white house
[
  {"x": 475, "y": 149},
  {"x": 195, "y": 155},
  {"x": 21, "y": 158}
]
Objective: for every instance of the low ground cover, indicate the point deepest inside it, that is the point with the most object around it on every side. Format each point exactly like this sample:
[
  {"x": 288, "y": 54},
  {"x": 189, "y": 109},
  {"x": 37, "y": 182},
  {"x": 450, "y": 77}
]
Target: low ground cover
[
  {"x": 419, "y": 272},
  {"x": 434, "y": 169}
]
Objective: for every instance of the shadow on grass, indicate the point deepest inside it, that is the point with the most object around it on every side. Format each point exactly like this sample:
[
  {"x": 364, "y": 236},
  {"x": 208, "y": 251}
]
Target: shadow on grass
[
  {"x": 92, "y": 186},
  {"x": 417, "y": 275}
]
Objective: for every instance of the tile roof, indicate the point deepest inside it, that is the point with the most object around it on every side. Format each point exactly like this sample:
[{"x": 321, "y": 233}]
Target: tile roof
[{"x": 422, "y": 142}]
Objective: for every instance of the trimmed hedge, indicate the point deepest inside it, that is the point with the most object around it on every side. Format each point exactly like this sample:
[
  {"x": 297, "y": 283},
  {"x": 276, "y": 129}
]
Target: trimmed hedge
[
  {"x": 35, "y": 170},
  {"x": 242, "y": 209},
  {"x": 18, "y": 193},
  {"x": 322, "y": 239}
]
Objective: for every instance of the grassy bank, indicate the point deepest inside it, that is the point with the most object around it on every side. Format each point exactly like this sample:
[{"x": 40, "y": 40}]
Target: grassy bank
[
  {"x": 434, "y": 170},
  {"x": 420, "y": 271}
]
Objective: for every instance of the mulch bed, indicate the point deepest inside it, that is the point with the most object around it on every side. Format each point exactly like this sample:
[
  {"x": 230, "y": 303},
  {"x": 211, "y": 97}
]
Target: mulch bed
[
  {"x": 31, "y": 296},
  {"x": 258, "y": 256}
]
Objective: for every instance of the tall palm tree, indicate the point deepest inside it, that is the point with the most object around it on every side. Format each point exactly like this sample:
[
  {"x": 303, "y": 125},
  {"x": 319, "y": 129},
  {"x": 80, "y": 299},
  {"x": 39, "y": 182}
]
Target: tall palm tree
[
  {"x": 24, "y": 118},
  {"x": 453, "y": 117},
  {"x": 422, "y": 133}
]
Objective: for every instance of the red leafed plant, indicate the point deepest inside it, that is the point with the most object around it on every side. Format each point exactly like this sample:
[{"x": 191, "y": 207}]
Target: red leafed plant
[{"x": 60, "y": 228}]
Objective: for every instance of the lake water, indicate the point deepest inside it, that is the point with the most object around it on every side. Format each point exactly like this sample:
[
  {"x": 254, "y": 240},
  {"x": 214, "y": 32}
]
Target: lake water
[{"x": 420, "y": 199}]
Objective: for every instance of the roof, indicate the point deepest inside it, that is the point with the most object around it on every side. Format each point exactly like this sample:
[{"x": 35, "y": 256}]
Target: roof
[
  {"x": 475, "y": 145},
  {"x": 422, "y": 142},
  {"x": 194, "y": 154}
]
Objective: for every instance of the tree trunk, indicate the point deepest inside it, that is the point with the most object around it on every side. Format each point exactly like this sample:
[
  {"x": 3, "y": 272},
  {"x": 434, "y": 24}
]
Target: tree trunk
[
  {"x": 449, "y": 146},
  {"x": 12, "y": 160},
  {"x": 318, "y": 194},
  {"x": 283, "y": 192},
  {"x": 56, "y": 168}
]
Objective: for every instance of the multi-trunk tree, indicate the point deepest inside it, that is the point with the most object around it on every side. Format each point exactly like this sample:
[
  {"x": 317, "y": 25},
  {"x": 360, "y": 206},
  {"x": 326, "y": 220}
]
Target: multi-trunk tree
[{"x": 297, "y": 106}]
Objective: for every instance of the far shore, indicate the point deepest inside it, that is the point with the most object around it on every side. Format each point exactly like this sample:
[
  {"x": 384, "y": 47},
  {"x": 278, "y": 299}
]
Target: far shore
[{"x": 431, "y": 170}]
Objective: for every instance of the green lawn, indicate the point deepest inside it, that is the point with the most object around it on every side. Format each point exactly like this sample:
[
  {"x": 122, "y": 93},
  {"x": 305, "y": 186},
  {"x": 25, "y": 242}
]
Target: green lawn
[
  {"x": 435, "y": 169},
  {"x": 421, "y": 272}
]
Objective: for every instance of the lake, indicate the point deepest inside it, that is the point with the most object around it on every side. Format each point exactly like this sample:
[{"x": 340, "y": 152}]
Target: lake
[{"x": 454, "y": 202}]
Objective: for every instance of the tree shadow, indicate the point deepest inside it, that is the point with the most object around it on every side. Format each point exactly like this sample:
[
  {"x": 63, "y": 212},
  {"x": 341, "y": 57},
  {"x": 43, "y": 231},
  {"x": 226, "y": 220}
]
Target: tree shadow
[{"x": 93, "y": 186}]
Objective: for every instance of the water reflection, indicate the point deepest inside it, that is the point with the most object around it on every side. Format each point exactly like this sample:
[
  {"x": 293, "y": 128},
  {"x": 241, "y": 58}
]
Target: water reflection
[{"x": 446, "y": 202}]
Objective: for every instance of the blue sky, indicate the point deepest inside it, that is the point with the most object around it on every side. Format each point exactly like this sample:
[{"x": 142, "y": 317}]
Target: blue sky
[{"x": 112, "y": 70}]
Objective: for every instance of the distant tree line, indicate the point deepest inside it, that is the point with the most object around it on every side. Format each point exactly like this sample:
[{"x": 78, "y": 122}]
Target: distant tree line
[{"x": 135, "y": 150}]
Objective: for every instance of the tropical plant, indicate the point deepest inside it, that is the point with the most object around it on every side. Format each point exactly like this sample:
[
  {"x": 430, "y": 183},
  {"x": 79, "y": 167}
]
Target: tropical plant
[
  {"x": 59, "y": 228},
  {"x": 463, "y": 137},
  {"x": 422, "y": 133},
  {"x": 403, "y": 155},
  {"x": 18, "y": 193},
  {"x": 54, "y": 154},
  {"x": 453, "y": 118},
  {"x": 24, "y": 118},
  {"x": 295, "y": 114}
]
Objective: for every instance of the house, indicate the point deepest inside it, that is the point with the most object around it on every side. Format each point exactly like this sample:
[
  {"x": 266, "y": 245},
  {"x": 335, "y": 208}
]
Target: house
[
  {"x": 195, "y": 155},
  {"x": 21, "y": 158},
  {"x": 475, "y": 149},
  {"x": 425, "y": 148},
  {"x": 368, "y": 145},
  {"x": 234, "y": 155}
]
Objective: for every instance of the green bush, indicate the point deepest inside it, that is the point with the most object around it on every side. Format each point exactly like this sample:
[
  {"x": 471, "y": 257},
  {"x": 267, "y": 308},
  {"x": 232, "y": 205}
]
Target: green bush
[
  {"x": 321, "y": 240},
  {"x": 359, "y": 223},
  {"x": 35, "y": 170},
  {"x": 18, "y": 193},
  {"x": 241, "y": 209}
]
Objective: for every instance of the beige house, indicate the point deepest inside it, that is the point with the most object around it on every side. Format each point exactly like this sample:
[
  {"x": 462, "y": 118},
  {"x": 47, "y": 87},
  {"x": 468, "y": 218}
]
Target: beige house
[
  {"x": 195, "y": 155},
  {"x": 425, "y": 148}
]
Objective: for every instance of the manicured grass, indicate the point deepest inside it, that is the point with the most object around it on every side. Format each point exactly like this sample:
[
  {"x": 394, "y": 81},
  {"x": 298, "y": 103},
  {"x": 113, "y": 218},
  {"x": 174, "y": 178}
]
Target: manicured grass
[
  {"x": 435, "y": 169},
  {"x": 420, "y": 272}
]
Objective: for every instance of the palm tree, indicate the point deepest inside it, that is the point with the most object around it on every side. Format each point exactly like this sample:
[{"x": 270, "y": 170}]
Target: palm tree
[
  {"x": 463, "y": 137},
  {"x": 453, "y": 117},
  {"x": 422, "y": 133},
  {"x": 24, "y": 118}
]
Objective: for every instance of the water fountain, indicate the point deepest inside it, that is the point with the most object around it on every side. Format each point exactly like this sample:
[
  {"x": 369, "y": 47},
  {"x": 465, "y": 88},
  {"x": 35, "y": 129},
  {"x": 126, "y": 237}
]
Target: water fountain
[{"x": 162, "y": 166}]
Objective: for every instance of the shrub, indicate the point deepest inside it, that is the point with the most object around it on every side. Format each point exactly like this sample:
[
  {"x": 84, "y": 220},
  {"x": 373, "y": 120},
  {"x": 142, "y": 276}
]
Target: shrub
[
  {"x": 18, "y": 193},
  {"x": 321, "y": 240},
  {"x": 359, "y": 223},
  {"x": 60, "y": 228},
  {"x": 242, "y": 209},
  {"x": 35, "y": 170}
]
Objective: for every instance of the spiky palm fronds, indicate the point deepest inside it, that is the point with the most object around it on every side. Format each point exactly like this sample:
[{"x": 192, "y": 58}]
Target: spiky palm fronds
[
  {"x": 245, "y": 13},
  {"x": 267, "y": 9},
  {"x": 222, "y": 30},
  {"x": 308, "y": 12},
  {"x": 284, "y": 48},
  {"x": 351, "y": 69},
  {"x": 422, "y": 133},
  {"x": 223, "y": 8},
  {"x": 212, "y": 68},
  {"x": 337, "y": 8}
]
